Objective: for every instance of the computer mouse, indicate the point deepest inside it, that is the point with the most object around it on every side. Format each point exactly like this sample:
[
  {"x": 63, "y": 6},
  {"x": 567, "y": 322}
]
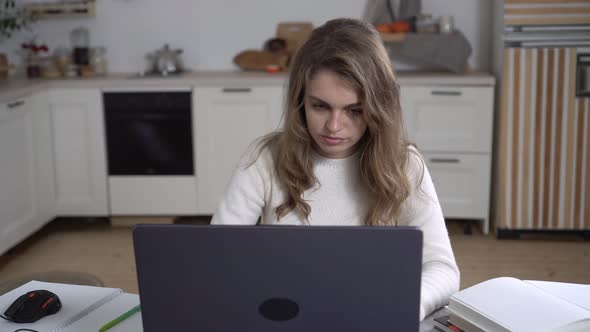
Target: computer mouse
[{"x": 32, "y": 306}]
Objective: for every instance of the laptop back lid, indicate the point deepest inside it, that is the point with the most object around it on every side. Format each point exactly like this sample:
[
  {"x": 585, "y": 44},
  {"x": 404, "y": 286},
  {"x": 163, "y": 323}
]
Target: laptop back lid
[{"x": 278, "y": 278}]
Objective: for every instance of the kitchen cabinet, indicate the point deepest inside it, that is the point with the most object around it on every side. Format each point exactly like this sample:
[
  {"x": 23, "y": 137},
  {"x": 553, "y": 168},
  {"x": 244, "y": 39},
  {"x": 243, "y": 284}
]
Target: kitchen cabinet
[
  {"x": 79, "y": 145},
  {"x": 543, "y": 146},
  {"x": 452, "y": 127},
  {"x": 17, "y": 172},
  {"x": 45, "y": 163},
  {"x": 226, "y": 121}
]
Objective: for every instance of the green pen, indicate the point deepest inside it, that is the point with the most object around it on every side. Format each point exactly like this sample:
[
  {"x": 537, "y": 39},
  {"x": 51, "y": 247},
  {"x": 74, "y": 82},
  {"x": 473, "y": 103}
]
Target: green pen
[{"x": 120, "y": 318}]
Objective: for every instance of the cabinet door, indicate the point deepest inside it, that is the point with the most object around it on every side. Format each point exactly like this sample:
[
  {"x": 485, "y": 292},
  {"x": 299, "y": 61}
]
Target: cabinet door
[
  {"x": 227, "y": 121},
  {"x": 449, "y": 119},
  {"x": 17, "y": 173},
  {"x": 45, "y": 163},
  {"x": 462, "y": 184},
  {"x": 78, "y": 139}
]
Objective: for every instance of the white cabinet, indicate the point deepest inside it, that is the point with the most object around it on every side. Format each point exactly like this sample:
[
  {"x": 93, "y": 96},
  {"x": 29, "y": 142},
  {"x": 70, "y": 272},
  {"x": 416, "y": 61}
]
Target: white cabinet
[
  {"x": 78, "y": 141},
  {"x": 226, "y": 121},
  {"x": 452, "y": 127},
  {"x": 449, "y": 119},
  {"x": 45, "y": 163},
  {"x": 17, "y": 172}
]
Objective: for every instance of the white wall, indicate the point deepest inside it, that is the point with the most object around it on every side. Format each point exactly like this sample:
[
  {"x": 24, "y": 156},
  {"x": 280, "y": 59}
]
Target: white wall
[{"x": 212, "y": 32}]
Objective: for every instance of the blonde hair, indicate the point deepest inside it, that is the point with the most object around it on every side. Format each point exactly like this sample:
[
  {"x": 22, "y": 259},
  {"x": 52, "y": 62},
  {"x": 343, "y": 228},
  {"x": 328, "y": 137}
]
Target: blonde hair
[{"x": 354, "y": 50}]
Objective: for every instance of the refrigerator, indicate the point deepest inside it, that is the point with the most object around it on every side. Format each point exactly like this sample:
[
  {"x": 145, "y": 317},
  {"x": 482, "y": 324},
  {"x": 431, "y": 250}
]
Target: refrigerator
[{"x": 542, "y": 121}]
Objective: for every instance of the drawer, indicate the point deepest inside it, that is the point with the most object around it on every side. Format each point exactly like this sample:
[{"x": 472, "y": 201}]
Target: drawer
[
  {"x": 462, "y": 183},
  {"x": 449, "y": 119}
]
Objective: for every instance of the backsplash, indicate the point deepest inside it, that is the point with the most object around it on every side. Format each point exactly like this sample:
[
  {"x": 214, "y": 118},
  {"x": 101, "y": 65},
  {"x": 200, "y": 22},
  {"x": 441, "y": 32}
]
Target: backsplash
[{"x": 212, "y": 32}]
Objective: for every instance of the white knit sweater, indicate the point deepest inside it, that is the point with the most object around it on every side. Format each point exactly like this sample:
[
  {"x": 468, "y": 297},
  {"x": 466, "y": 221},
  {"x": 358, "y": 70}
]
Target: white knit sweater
[{"x": 340, "y": 199}]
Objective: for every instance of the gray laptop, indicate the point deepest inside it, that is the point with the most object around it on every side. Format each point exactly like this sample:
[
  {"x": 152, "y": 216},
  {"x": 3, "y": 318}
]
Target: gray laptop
[{"x": 278, "y": 278}]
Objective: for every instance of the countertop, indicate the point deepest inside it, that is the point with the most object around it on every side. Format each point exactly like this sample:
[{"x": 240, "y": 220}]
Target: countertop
[{"x": 18, "y": 87}]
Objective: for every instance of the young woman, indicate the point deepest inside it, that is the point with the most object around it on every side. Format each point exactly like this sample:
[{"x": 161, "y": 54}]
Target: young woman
[{"x": 342, "y": 157}]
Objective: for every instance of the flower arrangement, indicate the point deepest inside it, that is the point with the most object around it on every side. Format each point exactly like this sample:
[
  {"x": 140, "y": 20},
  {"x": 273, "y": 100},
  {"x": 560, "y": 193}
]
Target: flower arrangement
[
  {"x": 32, "y": 52},
  {"x": 34, "y": 48}
]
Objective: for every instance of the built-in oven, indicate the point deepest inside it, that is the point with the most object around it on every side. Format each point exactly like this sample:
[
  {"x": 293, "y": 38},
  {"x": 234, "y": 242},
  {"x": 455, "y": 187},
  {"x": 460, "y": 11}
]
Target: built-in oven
[
  {"x": 150, "y": 151},
  {"x": 149, "y": 133}
]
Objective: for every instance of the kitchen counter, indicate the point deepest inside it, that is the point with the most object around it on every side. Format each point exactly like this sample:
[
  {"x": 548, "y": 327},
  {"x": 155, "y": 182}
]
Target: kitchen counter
[{"x": 19, "y": 87}]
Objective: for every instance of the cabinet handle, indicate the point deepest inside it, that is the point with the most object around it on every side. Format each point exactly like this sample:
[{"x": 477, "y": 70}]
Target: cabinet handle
[
  {"x": 445, "y": 93},
  {"x": 15, "y": 104},
  {"x": 237, "y": 90},
  {"x": 445, "y": 160}
]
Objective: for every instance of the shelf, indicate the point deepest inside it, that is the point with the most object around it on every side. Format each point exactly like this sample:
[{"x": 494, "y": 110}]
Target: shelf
[{"x": 63, "y": 9}]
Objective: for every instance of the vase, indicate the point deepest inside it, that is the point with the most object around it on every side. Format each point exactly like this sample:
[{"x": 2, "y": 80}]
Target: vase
[{"x": 33, "y": 67}]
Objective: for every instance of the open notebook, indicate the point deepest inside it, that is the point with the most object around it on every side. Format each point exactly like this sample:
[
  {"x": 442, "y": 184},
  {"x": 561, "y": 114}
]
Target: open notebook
[{"x": 84, "y": 308}]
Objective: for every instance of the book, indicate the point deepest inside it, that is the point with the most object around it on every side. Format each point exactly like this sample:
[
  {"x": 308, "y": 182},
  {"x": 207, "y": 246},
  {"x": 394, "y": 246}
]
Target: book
[
  {"x": 510, "y": 304},
  {"x": 442, "y": 324},
  {"x": 84, "y": 308}
]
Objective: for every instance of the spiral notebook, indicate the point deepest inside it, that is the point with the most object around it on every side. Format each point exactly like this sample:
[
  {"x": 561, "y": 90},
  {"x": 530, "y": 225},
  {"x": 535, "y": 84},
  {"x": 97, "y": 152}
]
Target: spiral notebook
[{"x": 84, "y": 308}]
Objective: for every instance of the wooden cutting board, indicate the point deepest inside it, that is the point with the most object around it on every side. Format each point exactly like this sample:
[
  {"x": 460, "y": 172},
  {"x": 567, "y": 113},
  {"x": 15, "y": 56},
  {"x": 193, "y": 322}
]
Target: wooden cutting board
[{"x": 295, "y": 33}]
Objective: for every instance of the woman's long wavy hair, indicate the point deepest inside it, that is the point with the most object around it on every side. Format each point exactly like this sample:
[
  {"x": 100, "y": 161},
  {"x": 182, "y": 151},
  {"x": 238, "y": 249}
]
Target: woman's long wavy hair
[{"x": 354, "y": 50}]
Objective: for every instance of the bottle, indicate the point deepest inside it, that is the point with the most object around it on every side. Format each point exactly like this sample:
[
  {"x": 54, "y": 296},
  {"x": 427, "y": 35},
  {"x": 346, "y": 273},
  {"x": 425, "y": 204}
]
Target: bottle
[{"x": 99, "y": 61}]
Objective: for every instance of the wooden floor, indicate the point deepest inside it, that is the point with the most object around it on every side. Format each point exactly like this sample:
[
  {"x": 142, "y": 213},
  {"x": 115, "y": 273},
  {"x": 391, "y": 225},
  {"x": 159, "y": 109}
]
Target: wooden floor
[{"x": 106, "y": 251}]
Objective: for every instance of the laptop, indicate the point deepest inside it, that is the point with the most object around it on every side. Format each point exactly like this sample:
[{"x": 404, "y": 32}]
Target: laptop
[{"x": 278, "y": 278}]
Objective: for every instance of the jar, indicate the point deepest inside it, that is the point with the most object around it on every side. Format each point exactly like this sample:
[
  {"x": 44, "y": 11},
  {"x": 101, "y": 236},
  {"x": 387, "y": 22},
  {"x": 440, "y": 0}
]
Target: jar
[
  {"x": 98, "y": 61},
  {"x": 63, "y": 57},
  {"x": 425, "y": 24},
  {"x": 49, "y": 68},
  {"x": 446, "y": 25},
  {"x": 71, "y": 71}
]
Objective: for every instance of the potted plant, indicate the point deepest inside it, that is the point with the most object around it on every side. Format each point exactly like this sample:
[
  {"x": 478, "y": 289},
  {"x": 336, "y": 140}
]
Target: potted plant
[{"x": 12, "y": 19}]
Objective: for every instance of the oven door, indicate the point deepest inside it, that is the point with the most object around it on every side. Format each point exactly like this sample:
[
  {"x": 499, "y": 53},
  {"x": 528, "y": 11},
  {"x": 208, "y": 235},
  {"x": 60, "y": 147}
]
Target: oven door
[
  {"x": 149, "y": 133},
  {"x": 150, "y": 152}
]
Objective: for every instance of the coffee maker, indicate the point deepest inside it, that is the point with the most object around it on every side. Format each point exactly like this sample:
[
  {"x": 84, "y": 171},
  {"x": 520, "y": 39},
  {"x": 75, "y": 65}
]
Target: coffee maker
[{"x": 80, "y": 40}]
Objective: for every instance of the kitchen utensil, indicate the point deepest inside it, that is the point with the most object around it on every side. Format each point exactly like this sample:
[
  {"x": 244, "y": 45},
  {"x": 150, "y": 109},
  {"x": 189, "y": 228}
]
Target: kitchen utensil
[{"x": 166, "y": 61}]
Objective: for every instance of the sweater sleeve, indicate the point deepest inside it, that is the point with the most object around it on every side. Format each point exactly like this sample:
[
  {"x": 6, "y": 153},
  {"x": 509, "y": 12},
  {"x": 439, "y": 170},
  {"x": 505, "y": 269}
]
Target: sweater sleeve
[
  {"x": 244, "y": 196},
  {"x": 440, "y": 274}
]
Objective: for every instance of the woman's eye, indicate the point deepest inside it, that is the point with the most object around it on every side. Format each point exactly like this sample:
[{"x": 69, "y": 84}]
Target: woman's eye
[
  {"x": 319, "y": 106},
  {"x": 356, "y": 112}
]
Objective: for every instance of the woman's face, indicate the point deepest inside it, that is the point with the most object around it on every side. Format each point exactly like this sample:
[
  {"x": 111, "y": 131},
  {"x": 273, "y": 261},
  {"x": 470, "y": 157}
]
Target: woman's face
[{"x": 334, "y": 115}]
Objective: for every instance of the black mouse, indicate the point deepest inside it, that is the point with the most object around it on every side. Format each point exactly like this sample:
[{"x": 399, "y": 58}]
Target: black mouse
[{"x": 32, "y": 306}]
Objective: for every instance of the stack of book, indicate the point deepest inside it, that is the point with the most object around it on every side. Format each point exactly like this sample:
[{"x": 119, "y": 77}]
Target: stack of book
[{"x": 509, "y": 304}]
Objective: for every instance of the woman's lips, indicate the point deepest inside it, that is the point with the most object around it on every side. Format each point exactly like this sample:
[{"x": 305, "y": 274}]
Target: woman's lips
[{"x": 332, "y": 140}]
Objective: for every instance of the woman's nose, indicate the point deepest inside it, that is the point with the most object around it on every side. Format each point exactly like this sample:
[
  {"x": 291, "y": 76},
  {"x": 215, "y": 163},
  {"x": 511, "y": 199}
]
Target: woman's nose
[{"x": 334, "y": 122}]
